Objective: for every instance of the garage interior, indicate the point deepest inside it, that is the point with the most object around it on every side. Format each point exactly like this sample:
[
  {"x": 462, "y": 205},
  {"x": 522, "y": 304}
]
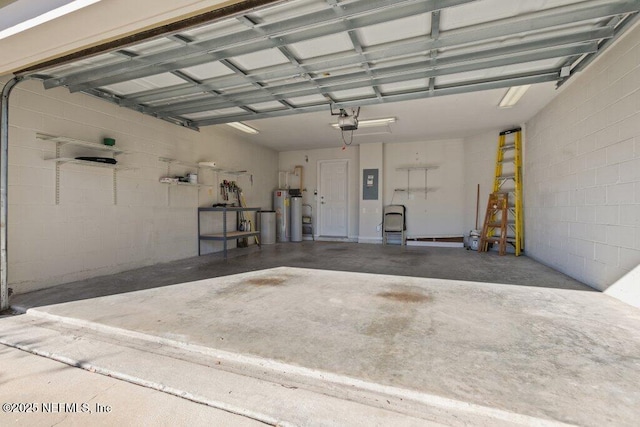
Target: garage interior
[{"x": 119, "y": 268}]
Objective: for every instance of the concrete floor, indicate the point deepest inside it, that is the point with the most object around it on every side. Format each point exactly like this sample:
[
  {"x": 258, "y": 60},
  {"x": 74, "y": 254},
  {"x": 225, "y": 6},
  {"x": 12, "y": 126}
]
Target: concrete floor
[
  {"x": 424, "y": 343},
  {"x": 431, "y": 262},
  {"x": 107, "y": 401}
]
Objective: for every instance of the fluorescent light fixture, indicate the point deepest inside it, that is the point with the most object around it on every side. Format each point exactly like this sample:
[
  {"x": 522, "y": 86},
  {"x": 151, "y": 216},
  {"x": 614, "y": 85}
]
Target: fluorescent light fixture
[
  {"x": 376, "y": 122},
  {"x": 243, "y": 127},
  {"x": 372, "y": 123},
  {"x": 46, "y": 17},
  {"x": 386, "y": 131},
  {"x": 513, "y": 95}
]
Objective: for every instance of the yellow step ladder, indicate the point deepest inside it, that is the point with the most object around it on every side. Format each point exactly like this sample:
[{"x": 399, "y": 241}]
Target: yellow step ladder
[{"x": 508, "y": 181}]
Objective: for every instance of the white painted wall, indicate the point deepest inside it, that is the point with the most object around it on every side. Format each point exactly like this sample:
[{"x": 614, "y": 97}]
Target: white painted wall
[
  {"x": 86, "y": 235},
  {"x": 479, "y": 168},
  {"x": 309, "y": 159},
  {"x": 441, "y": 212},
  {"x": 582, "y": 172},
  {"x": 371, "y": 157}
]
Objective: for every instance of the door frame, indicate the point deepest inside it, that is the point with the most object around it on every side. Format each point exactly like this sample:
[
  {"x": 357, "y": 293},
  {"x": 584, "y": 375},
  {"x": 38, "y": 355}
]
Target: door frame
[{"x": 347, "y": 162}]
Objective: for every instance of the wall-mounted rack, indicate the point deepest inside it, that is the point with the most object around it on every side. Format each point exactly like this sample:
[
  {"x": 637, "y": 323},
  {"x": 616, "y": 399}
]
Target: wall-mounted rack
[
  {"x": 197, "y": 167},
  {"x": 61, "y": 141},
  {"x": 200, "y": 166},
  {"x": 414, "y": 190},
  {"x": 171, "y": 162}
]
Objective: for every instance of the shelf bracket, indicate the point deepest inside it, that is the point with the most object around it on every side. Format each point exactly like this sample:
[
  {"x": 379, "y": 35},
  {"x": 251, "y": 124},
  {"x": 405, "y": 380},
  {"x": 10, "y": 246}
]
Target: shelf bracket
[
  {"x": 168, "y": 187},
  {"x": 115, "y": 187},
  {"x": 426, "y": 188},
  {"x": 408, "y": 183},
  {"x": 58, "y": 144}
]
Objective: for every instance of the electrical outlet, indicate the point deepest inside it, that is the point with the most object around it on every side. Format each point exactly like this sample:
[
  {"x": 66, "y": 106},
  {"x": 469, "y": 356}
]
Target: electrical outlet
[{"x": 378, "y": 227}]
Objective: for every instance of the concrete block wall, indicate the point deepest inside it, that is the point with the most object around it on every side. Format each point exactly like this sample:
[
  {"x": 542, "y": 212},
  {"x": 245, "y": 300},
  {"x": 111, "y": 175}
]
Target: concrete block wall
[
  {"x": 86, "y": 235},
  {"x": 582, "y": 171}
]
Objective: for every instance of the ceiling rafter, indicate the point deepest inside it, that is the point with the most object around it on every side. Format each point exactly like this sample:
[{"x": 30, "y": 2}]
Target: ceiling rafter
[
  {"x": 454, "y": 64},
  {"x": 535, "y": 21},
  {"x": 435, "y": 34},
  {"x": 517, "y": 80},
  {"x": 294, "y": 30},
  {"x": 413, "y": 72},
  {"x": 388, "y": 51},
  {"x": 367, "y": 67},
  {"x": 253, "y": 82},
  {"x": 217, "y": 43},
  {"x": 347, "y": 53},
  {"x": 287, "y": 54},
  {"x": 138, "y": 106},
  {"x": 115, "y": 99},
  {"x": 621, "y": 25},
  {"x": 357, "y": 45}
]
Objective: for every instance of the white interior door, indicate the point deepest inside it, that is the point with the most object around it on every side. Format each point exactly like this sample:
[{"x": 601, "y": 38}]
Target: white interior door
[{"x": 332, "y": 197}]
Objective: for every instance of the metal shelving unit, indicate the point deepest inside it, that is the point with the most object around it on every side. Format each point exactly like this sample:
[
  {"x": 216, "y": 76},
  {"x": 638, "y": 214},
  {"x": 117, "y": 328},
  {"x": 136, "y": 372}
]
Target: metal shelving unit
[
  {"x": 226, "y": 235},
  {"x": 61, "y": 141}
]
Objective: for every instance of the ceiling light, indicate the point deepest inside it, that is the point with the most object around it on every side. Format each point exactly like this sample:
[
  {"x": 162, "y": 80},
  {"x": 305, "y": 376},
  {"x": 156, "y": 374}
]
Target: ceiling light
[
  {"x": 46, "y": 17},
  {"x": 513, "y": 95},
  {"x": 243, "y": 127},
  {"x": 376, "y": 122},
  {"x": 372, "y": 123}
]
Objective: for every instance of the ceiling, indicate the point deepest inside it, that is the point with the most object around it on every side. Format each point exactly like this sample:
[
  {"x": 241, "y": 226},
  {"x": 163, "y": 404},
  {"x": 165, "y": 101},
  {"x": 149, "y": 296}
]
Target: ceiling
[
  {"x": 15, "y": 12},
  {"x": 439, "y": 67}
]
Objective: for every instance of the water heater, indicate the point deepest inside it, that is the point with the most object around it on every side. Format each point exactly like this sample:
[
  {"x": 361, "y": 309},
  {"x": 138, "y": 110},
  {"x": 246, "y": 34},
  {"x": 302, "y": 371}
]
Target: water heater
[
  {"x": 296, "y": 218},
  {"x": 281, "y": 204}
]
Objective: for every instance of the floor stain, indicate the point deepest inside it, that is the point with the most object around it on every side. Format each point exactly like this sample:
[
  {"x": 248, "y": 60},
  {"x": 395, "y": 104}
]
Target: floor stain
[
  {"x": 387, "y": 327},
  {"x": 405, "y": 296},
  {"x": 267, "y": 281}
]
